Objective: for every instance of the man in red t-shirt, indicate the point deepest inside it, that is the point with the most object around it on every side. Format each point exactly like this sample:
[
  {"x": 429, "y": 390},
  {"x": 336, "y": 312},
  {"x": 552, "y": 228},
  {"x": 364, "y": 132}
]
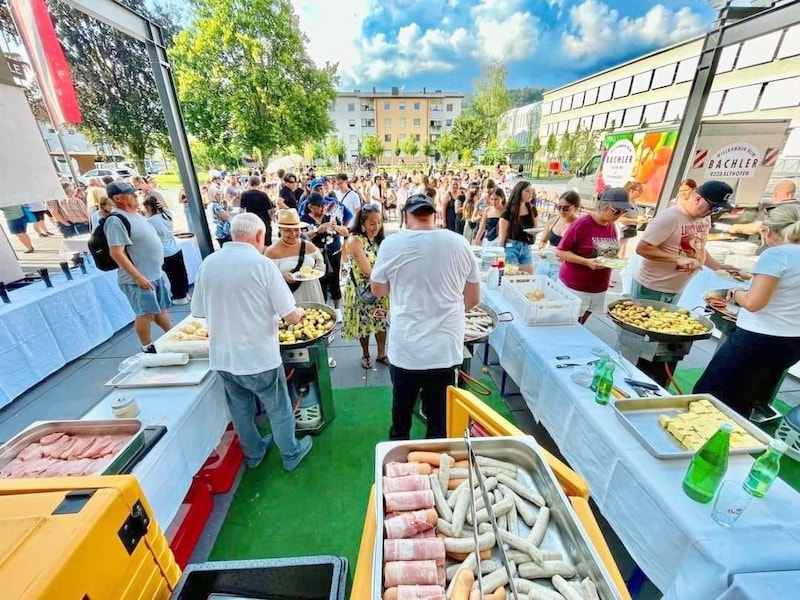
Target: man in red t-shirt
[{"x": 591, "y": 237}]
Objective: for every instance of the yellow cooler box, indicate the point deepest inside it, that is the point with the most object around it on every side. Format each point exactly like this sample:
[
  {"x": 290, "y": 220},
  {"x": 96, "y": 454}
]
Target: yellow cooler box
[{"x": 81, "y": 538}]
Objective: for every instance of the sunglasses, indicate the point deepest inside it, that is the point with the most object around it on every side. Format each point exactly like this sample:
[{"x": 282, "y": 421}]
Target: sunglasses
[
  {"x": 618, "y": 211},
  {"x": 370, "y": 208},
  {"x": 563, "y": 207}
]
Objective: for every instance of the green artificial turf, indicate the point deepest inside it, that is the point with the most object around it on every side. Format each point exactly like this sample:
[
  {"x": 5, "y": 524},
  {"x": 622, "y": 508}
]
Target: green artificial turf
[{"x": 319, "y": 508}]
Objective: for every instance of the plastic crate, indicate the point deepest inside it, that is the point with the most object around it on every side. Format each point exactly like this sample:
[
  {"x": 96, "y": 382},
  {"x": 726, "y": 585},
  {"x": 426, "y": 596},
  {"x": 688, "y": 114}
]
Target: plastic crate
[
  {"x": 559, "y": 306},
  {"x": 187, "y": 526},
  {"x": 220, "y": 469},
  {"x": 302, "y": 578}
]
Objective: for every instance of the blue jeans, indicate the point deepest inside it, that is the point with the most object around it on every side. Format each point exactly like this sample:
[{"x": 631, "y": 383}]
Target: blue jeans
[
  {"x": 242, "y": 393},
  {"x": 518, "y": 253}
]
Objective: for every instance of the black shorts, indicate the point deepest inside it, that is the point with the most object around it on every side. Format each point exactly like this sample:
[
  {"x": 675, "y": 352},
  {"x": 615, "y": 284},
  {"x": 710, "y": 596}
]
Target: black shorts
[{"x": 39, "y": 214}]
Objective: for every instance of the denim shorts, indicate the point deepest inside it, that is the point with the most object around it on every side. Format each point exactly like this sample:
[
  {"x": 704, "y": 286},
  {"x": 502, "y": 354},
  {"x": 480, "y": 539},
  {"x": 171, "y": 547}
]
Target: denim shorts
[
  {"x": 17, "y": 226},
  {"x": 518, "y": 253},
  {"x": 148, "y": 302}
]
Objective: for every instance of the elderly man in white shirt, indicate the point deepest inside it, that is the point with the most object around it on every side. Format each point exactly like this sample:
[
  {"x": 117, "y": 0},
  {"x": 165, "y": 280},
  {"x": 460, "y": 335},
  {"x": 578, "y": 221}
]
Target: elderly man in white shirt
[{"x": 242, "y": 295}]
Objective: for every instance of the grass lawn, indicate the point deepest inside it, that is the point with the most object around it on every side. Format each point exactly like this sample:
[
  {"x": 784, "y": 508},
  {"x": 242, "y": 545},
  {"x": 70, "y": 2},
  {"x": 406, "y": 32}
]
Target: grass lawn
[{"x": 170, "y": 181}]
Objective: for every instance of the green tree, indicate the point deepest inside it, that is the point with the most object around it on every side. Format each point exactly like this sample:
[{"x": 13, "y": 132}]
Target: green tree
[
  {"x": 526, "y": 95},
  {"x": 493, "y": 154},
  {"x": 552, "y": 145},
  {"x": 397, "y": 148},
  {"x": 511, "y": 145},
  {"x": 336, "y": 148},
  {"x": 565, "y": 146},
  {"x": 410, "y": 146},
  {"x": 468, "y": 132},
  {"x": 427, "y": 148},
  {"x": 491, "y": 97},
  {"x": 372, "y": 147},
  {"x": 446, "y": 145},
  {"x": 535, "y": 145},
  {"x": 243, "y": 68}
]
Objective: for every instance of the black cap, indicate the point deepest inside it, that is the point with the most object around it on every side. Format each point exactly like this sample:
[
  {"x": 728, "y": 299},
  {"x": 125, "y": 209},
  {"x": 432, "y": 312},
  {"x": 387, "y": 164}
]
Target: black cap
[
  {"x": 419, "y": 202},
  {"x": 716, "y": 193},
  {"x": 315, "y": 199},
  {"x": 115, "y": 188},
  {"x": 618, "y": 198}
]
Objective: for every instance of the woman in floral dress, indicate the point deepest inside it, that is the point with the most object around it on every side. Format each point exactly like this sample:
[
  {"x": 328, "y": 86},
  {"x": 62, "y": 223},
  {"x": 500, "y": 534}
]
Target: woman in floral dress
[{"x": 359, "y": 316}]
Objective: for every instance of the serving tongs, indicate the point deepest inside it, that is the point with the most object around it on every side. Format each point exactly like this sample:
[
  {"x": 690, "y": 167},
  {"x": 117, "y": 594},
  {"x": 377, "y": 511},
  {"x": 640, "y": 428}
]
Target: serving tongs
[{"x": 474, "y": 472}]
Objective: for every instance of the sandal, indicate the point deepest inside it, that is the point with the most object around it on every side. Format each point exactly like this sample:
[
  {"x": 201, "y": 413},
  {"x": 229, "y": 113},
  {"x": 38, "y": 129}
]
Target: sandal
[
  {"x": 366, "y": 362},
  {"x": 384, "y": 360}
]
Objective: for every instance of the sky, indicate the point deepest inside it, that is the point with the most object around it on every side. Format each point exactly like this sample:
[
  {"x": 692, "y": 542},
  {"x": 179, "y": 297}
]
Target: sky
[{"x": 442, "y": 44}]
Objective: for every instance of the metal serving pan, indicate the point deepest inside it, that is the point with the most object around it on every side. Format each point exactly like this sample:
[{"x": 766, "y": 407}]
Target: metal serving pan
[
  {"x": 496, "y": 320},
  {"x": 657, "y": 336},
  {"x": 640, "y": 417},
  {"x": 39, "y": 429},
  {"x": 565, "y": 533},
  {"x": 324, "y": 308},
  {"x": 195, "y": 348},
  {"x": 192, "y": 373}
]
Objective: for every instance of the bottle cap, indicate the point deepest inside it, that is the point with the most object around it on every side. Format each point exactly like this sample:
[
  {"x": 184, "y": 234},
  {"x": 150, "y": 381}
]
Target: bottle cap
[
  {"x": 726, "y": 427},
  {"x": 778, "y": 445}
]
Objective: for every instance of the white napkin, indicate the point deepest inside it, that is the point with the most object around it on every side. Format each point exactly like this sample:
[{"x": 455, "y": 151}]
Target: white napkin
[{"x": 167, "y": 359}]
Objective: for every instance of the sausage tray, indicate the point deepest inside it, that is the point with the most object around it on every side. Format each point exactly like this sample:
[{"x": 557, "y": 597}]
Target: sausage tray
[
  {"x": 39, "y": 429},
  {"x": 565, "y": 533},
  {"x": 640, "y": 417},
  {"x": 194, "y": 348}
]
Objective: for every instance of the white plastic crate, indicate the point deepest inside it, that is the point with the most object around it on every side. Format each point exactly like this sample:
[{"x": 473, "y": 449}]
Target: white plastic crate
[{"x": 559, "y": 306}]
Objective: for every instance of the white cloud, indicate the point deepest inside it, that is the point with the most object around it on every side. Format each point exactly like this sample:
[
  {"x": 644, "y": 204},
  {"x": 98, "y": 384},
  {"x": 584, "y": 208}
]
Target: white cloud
[
  {"x": 598, "y": 32},
  {"x": 505, "y": 32}
]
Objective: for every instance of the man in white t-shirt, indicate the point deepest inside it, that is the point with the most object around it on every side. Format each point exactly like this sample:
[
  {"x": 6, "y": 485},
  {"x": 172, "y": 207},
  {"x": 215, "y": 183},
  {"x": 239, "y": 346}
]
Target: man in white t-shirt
[
  {"x": 431, "y": 277},
  {"x": 376, "y": 193},
  {"x": 242, "y": 295},
  {"x": 345, "y": 194}
]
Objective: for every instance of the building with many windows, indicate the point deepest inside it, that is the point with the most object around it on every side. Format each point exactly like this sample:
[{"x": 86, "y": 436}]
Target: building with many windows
[
  {"x": 521, "y": 123},
  {"x": 393, "y": 117},
  {"x": 757, "y": 79}
]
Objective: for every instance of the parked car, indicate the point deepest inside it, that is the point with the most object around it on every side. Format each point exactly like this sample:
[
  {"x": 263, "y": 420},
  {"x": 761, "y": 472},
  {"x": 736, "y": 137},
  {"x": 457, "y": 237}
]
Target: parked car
[{"x": 99, "y": 173}]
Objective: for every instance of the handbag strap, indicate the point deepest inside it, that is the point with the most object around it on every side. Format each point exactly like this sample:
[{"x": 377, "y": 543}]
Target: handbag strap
[{"x": 301, "y": 257}]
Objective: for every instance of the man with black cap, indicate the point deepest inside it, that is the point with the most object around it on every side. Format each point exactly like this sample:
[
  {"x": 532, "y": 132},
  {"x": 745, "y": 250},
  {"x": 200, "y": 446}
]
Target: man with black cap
[
  {"x": 136, "y": 248},
  {"x": 673, "y": 247},
  {"x": 431, "y": 278}
]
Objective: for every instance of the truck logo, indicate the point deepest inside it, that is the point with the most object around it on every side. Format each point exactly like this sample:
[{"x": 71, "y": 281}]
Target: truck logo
[
  {"x": 618, "y": 163},
  {"x": 737, "y": 160},
  {"x": 699, "y": 158}
]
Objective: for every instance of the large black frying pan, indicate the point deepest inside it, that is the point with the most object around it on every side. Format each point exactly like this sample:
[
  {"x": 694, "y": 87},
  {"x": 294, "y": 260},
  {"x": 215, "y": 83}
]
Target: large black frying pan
[{"x": 658, "y": 336}]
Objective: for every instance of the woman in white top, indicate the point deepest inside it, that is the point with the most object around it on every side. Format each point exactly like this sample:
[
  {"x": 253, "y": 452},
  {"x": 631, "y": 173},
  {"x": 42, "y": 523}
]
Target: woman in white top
[
  {"x": 747, "y": 370},
  {"x": 174, "y": 266}
]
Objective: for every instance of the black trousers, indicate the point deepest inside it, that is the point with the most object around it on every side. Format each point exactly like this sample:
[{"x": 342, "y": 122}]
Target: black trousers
[
  {"x": 175, "y": 269},
  {"x": 746, "y": 371},
  {"x": 330, "y": 281},
  {"x": 431, "y": 386}
]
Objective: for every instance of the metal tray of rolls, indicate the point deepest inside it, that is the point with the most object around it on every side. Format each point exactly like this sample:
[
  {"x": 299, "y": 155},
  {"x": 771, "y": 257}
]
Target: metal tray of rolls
[{"x": 565, "y": 532}]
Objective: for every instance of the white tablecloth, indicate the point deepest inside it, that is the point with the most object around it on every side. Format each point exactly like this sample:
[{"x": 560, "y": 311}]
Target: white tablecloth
[
  {"x": 672, "y": 538},
  {"x": 191, "y": 256},
  {"x": 45, "y": 328},
  {"x": 195, "y": 417},
  {"x": 758, "y": 586}
]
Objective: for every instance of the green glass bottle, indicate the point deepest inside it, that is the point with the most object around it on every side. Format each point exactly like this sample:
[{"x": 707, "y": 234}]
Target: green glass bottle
[
  {"x": 765, "y": 470},
  {"x": 598, "y": 371},
  {"x": 606, "y": 383},
  {"x": 708, "y": 466}
]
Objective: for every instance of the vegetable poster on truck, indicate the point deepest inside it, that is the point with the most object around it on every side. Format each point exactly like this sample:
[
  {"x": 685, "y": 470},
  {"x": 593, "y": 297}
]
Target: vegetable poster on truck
[{"x": 642, "y": 155}]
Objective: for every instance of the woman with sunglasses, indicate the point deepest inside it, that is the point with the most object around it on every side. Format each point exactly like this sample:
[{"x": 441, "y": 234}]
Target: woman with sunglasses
[
  {"x": 568, "y": 210},
  {"x": 519, "y": 214},
  {"x": 359, "y": 314},
  {"x": 591, "y": 237},
  {"x": 747, "y": 369}
]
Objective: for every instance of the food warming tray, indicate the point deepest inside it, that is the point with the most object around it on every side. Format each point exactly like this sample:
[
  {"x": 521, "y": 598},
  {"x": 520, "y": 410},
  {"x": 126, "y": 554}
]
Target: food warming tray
[
  {"x": 565, "y": 533},
  {"x": 496, "y": 320},
  {"x": 191, "y": 373},
  {"x": 194, "y": 348},
  {"x": 39, "y": 429},
  {"x": 640, "y": 416},
  {"x": 658, "y": 336}
]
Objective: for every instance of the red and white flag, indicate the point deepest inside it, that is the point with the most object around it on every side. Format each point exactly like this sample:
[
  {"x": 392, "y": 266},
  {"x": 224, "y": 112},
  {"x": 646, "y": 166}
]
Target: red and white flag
[{"x": 47, "y": 59}]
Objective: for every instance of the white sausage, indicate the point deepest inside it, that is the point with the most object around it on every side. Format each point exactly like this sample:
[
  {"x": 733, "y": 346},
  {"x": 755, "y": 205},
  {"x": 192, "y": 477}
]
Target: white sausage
[
  {"x": 569, "y": 591},
  {"x": 521, "y": 490},
  {"x": 531, "y": 570},
  {"x": 539, "y": 529},
  {"x": 524, "y": 509},
  {"x": 485, "y": 541},
  {"x": 445, "y": 512},
  {"x": 522, "y": 545},
  {"x": 498, "y": 464},
  {"x": 589, "y": 590},
  {"x": 444, "y": 470}
]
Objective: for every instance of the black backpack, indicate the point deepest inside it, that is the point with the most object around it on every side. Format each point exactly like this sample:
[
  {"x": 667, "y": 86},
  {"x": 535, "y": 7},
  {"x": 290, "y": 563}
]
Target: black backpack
[{"x": 98, "y": 244}]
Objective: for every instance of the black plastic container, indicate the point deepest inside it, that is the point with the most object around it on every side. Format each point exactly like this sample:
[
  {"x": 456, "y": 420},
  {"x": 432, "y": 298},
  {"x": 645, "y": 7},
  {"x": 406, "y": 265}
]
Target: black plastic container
[{"x": 302, "y": 578}]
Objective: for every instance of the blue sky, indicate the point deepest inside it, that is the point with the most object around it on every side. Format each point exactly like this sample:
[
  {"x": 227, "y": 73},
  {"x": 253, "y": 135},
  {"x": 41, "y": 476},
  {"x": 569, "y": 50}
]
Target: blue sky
[{"x": 443, "y": 43}]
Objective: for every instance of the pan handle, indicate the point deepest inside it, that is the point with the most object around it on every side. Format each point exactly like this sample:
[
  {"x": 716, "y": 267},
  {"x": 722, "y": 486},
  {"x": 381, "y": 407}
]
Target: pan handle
[{"x": 500, "y": 315}]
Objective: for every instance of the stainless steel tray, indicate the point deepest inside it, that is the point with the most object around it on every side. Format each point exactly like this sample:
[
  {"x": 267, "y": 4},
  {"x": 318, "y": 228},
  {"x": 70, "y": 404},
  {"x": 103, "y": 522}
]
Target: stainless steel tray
[
  {"x": 640, "y": 416},
  {"x": 565, "y": 532},
  {"x": 195, "y": 349},
  {"x": 192, "y": 373},
  {"x": 39, "y": 429}
]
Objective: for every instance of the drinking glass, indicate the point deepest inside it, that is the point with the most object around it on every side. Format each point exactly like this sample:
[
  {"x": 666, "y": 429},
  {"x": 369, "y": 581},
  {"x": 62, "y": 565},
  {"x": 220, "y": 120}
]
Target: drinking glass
[{"x": 731, "y": 501}]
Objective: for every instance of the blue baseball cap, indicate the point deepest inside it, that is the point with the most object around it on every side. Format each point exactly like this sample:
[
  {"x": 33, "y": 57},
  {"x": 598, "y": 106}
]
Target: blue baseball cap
[
  {"x": 319, "y": 181},
  {"x": 115, "y": 188}
]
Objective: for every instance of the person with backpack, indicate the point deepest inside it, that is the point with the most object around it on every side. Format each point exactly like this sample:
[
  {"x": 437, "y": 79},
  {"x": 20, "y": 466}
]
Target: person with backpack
[{"x": 134, "y": 246}]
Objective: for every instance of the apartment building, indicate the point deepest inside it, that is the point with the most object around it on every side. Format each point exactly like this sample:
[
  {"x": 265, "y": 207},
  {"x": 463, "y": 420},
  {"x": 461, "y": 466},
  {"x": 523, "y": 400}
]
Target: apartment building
[
  {"x": 757, "y": 79},
  {"x": 520, "y": 123},
  {"x": 393, "y": 116}
]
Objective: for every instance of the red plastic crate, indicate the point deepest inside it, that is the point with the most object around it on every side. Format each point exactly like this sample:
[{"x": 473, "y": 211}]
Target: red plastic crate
[
  {"x": 187, "y": 526},
  {"x": 220, "y": 469}
]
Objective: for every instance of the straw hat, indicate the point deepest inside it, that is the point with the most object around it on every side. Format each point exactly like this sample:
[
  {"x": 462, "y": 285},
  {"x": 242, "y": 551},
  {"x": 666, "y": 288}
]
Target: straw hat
[{"x": 289, "y": 219}]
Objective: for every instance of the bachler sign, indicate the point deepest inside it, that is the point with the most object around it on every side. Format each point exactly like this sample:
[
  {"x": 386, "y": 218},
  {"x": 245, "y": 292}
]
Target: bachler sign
[
  {"x": 618, "y": 163},
  {"x": 734, "y": 160}
]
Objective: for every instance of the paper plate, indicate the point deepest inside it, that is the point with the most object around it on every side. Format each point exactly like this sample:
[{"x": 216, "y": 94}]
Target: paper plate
[
  {"x": 302, "y": 277},
  {"x": 613, "y": 263}
]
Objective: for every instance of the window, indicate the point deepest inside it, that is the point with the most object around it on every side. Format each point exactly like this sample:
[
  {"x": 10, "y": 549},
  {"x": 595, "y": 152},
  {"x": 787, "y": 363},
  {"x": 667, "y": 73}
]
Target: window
[
  {"x": 351, "y": 122},
  {"x": 591, "y": 97},
  {"x": 727, "y": 58},
  {"x": 351, "y": 107},
  {"x": 416, "y": 137},
  {"x": 663, "y": 76},
  {"x": 417, "y": 105},
  {"x": 586, "y": 123},
  {"x": 561, "y": 128},
  {"x": 622, "y": 87},
  {"x": 556, "y": 106},
  {"x": 402, "y": 137},
  {"x": 615, "y": 118},
  {"x": 675, "y": 109},
  {"x": 791, "y": 43},
  {"x": 713, "y": 104},
  {"x": 686, "y": 70},
  {"x": 401, "y": 106},
  {"x": 604, "y": 93},
  {"x": 353, "y": 139},
  {"x": 448, "y": 122},
  {"x": 387, "y": 122},
  {"x": 572, "y": 125},
  {"x": 449, "y": 107},
  {"x": 641, "y": 82},
  {"x": 780, "y": 93},
  {"x": 387, "y": 137},
  {"x": 417, "y": 122},
  {"x": 387, "y": 153},
  {"x": 387, "y": 105},
  {"x": 436, "y": 107},
  {"x": 577, "y": 100},
  {"x": 599, "y": 121},
  {"x": 759, "y": 50},
  {"x": 654, "y": 113},
  {"x": 566, "y": 103},
  {"x": 546, "y": 109},
  {"x": 742, "y": 99},
  {"x": 402, "y": 123},
  {"x": 633, "y": 116}
]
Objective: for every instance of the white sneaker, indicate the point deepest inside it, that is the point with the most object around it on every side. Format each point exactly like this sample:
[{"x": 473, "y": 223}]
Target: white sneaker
[
  {"x": 338, "y": 315},
  {"x": 180, "y": 301}
]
